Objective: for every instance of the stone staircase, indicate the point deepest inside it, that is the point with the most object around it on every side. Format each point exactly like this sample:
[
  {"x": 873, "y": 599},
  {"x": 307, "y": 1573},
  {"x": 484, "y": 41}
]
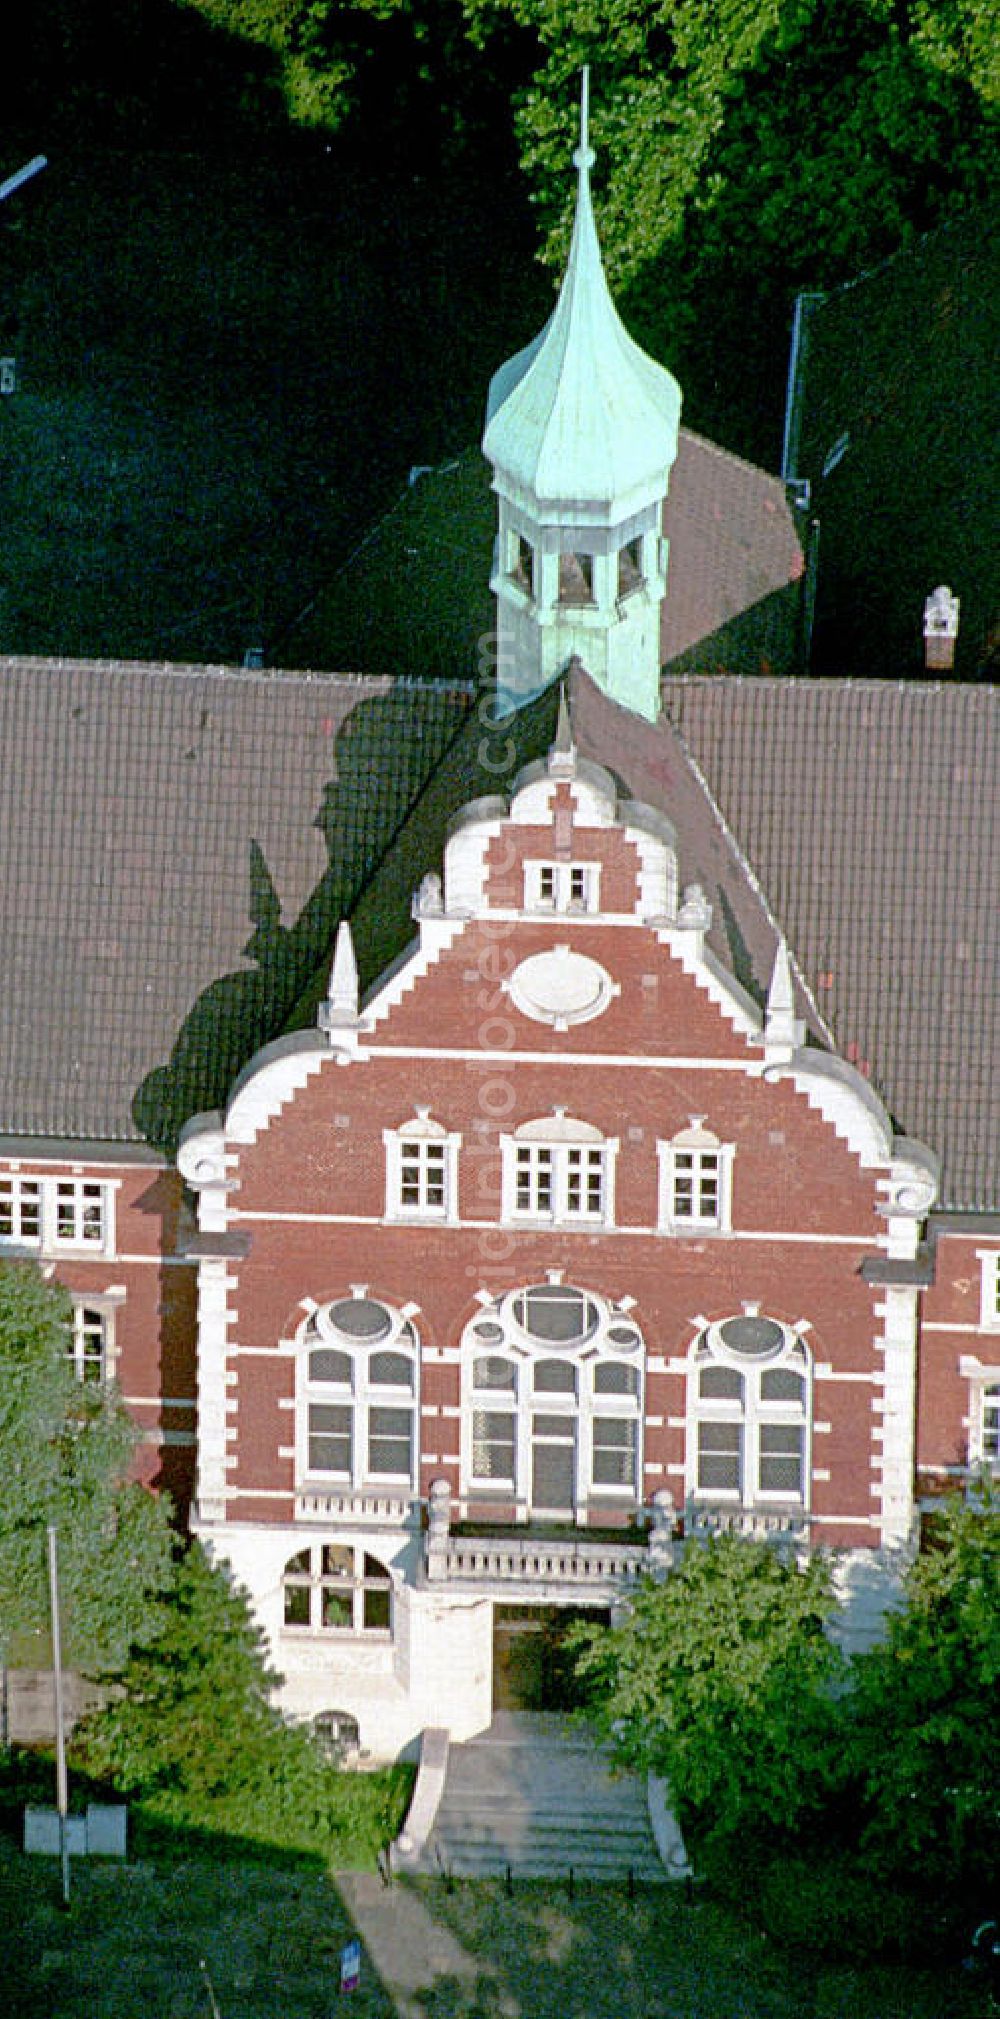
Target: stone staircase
[{"x": 534, "y": 1794}]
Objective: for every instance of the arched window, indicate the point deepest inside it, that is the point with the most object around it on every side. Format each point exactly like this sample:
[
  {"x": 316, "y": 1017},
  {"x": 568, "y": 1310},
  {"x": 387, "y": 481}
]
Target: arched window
[
  {"x": 749, "y": 1413},
  {"x": 696, "y": 1171},
  {"x": 553, "y": 1392},
  {"x": 358, "y": 1372},
  {"x": 336, "y": 1587},
  {"x": 558, "y": 1171}
]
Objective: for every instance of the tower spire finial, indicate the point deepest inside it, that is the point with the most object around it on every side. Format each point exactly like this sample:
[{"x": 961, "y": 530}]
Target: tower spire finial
[{"x": 584, "y": 156}]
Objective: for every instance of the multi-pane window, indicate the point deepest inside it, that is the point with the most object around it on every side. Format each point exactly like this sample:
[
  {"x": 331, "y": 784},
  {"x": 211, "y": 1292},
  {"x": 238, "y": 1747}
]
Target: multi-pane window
[
  {"x": 358, "y": 1384},
  {"x": 88, "y": 1348},
  {"x": 553, "y": 1381},
  {"x": 558, "y": 1171},
  {"x": 79, "y": 1213},
  {"x": 561, "y": 886},
  {"x": 51, "y": 1213},
  {"x": 695, "y": 1182},
  {"x": 749, "y": 1413},
  {"x": 989, "y": 1424},
  {"x": 421, "y": 1176},
  {"x": 334, "y": 1587},
  {"x": 990, "y": 1288},
  {"x": 21, "y": 1210}
]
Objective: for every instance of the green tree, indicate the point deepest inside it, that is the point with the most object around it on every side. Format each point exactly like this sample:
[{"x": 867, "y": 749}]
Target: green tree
[
  {"x": 923, "y": 1715},
  {"x": 65, "y": 1449},
  {"x": 720, "y": 1680},
  {"x": 194, "y": 1709}
]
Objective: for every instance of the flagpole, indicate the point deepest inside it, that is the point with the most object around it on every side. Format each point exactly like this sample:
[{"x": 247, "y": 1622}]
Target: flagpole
[{"x": 62, "y": 1785}]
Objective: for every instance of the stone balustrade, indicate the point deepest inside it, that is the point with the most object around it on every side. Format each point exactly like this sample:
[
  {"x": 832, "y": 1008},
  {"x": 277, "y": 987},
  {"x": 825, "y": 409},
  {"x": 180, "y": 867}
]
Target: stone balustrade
[
  {"x": 359, "y": 1509},
  {"x": 759, "y": 1524}
]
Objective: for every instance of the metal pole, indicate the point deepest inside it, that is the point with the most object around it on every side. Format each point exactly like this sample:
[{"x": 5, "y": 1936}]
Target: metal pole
[
  {"x": 210, "y": 1988},
  {"x": 62, "y": 1785},
  {"x": 22, "y": 175}
]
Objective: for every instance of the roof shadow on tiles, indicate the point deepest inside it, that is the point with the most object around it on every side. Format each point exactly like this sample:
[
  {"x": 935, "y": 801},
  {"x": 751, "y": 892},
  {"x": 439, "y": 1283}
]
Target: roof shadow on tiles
[{"x": 385, "y": 752}]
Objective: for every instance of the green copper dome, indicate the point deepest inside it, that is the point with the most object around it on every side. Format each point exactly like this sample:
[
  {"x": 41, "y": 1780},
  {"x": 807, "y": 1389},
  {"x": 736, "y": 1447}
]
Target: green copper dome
[{"x": 582, "y": 414}]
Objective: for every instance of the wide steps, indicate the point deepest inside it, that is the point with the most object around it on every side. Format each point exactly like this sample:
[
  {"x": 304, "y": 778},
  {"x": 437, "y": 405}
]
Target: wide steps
[{"x": 541, "y": 1802}]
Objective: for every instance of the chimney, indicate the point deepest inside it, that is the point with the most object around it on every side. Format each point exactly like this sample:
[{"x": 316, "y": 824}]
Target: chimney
[{"x": 940, "y": 630}]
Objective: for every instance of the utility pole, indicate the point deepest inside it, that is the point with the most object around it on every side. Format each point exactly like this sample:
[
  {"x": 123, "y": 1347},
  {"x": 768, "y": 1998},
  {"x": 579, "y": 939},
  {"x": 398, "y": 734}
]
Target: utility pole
[{"x": 62, "y": 1785}]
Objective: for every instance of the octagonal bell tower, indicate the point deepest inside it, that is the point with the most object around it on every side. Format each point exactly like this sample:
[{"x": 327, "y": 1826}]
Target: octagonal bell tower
[{"x": 581, "y": 431}]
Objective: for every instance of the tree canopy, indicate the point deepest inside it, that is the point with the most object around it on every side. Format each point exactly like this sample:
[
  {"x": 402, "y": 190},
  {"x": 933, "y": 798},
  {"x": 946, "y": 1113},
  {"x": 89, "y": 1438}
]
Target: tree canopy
[
  {"x": 65, "y": 1448},
  {"x": 719, "y": 1680}
]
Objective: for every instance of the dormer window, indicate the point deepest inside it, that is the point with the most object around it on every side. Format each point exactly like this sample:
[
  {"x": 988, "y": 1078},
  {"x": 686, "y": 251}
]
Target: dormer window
[
  {"x": 630, "y": 573},
  {"x": 695, "y": 1182},
  {"x": 562, "y": 886},
  {"x": 421, "y": 1170},
  {"x": 576, "y": 578}
]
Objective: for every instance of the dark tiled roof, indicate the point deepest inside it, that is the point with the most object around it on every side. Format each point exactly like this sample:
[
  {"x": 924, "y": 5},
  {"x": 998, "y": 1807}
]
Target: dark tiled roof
[
  {"x": 869, "y": 813},
  {"x": 178, "y": 844},
  {"x": 733, "y": 549},
  {"x": 894, "y": 423}
]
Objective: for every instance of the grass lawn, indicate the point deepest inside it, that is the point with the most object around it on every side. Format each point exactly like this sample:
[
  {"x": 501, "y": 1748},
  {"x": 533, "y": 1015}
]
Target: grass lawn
[
  {"x": 598, "y": 1957},
  {"x": 131, "y": 1943}
]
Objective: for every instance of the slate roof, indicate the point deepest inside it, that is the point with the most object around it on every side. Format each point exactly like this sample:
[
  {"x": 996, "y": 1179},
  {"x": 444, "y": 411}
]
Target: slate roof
[
  {"x": 733, "y": 545},
  {"x": 415, "y": 597},
  {"x": 178, "y": 844},
  {"x": 861, "y": 816}
]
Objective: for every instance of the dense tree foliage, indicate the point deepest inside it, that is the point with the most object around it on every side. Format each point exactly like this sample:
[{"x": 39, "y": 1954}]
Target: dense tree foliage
[
  {"x": 191, "y": 1729},
  {"x": 719, "y": 1680},
  {"x": 65, "y": 1448},
  {"x": 851, "y": 1805},
  {"x": 923, "y": 1717}
]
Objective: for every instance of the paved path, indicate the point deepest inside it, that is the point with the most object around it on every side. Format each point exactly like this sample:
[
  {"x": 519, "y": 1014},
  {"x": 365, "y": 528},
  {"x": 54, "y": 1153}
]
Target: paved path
[{"x": 409, "y": 1949}]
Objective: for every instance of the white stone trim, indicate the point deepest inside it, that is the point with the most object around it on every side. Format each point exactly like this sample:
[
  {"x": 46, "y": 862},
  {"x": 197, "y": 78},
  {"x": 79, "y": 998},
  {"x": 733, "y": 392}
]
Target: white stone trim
[
  {"x": 989, "y": 1288},
  {"x": 898, "y": 1309}
]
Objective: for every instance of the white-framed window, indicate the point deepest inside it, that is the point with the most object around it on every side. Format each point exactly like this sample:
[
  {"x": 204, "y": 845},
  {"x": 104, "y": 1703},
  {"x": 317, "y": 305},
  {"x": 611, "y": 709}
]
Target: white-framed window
[
  {"x": 421, "y": 1170},
  {"x": 749, "y": 1414},
  {"x": 552, "y": 1384},
  {"x": 358, "y": 1378},
  {"x": 696, "y": 1180},
  {"x": 989, "y": 1263},
  {"x": 562, "y": 886},
  {"x": 989, "y": 1423},
  {"x": 55, "y": 1213},
  {"x": 90, "y": 1342},
  {"x": 559, "y": 1172},
  {"x": 336, "y": 1587}
]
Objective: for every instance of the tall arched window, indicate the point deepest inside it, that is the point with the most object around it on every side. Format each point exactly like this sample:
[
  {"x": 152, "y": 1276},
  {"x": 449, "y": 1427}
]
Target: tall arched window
[
  {"x": 553, "y": 1391},
  {"x": 749, "y": 1412},
  {"x": 358, "y": 1373}
]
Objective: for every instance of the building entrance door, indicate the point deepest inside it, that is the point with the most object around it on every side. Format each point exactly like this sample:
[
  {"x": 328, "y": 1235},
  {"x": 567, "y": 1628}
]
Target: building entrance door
[{"x": 533, "y": 1670}]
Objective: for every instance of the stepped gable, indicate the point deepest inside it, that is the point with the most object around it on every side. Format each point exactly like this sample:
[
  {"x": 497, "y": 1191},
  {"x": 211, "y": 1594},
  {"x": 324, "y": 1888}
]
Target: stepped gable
[
  {"x": 869, "y": 813},
  {"x": 179, "y": 843}
]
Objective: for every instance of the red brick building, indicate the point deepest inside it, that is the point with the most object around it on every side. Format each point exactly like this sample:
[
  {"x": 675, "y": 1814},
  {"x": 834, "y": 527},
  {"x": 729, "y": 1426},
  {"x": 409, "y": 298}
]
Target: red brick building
[{"x": 651, "y": 1190}]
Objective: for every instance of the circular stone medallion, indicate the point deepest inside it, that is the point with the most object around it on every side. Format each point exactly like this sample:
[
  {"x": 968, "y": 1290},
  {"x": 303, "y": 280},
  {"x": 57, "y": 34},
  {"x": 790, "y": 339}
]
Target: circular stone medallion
[{"x": 561, "y": 987}]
